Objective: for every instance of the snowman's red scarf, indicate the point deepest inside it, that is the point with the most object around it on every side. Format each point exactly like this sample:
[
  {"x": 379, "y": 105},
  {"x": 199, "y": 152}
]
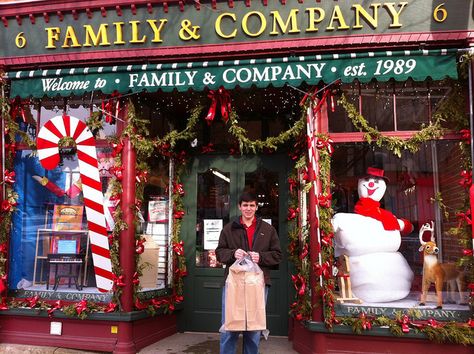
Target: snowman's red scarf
[{"x": 371, "y": 208}]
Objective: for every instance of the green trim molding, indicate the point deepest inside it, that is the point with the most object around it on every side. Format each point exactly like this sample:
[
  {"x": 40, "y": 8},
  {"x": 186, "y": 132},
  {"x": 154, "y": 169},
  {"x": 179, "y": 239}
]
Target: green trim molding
[{"x": 382, "y": 66}]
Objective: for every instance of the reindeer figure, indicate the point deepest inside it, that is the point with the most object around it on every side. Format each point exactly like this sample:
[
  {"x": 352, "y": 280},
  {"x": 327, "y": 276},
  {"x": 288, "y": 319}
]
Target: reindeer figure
[{"x": 435, "y": 272}]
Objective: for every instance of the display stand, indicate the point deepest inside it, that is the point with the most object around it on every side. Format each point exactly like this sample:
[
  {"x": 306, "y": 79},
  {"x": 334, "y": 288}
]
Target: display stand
[{"x": 45, "y": 239}]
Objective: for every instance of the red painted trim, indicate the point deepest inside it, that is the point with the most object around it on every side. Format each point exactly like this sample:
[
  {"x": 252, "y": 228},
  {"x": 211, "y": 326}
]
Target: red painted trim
[{"x": 127, "y": 237}]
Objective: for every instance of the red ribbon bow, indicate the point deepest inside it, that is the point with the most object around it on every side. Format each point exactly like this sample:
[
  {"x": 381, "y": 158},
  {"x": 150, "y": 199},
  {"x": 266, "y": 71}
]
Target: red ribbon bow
[
  {"x": 466, "y": 180},
  {"x": 433, "y": 323},
  {"x": 3, "y": 284},
  {"x": 3, "y": 247},
  {"x": 117, "y": 171},
  {"x": 16, "y": 109},
  {"x": 180, "y": 273},
  {"x": 324, "y": 269},
  {"x": 464, "y": 217},
  {"x": 111, "y": 107},
  {"x": 325, "y": 143},
  {"x": 139, "y": 246},
  {"x": 7, "y": 205},
  {"x": 221, "y": 97},
  {"x": 178, "y": 188},
  {"x": 118, "y": 280},
  {"x": 365, "y": 321},
  {"x": 111, "y": 307},
  {"x": 299, "y": 283},
  {"x": 466, "y": 135},
  {"x": 305, "y": 251},
  {"x": 81, "y": 306},
  {"x": 467, "y": 252},
  {"x": 32, "y": 301},
  {"x": 292, "y": 183},
  {"x": 57, "y": 305},
  {"x": 293, "y": 213},
  {"x": 9, "y": 177},
  {"x": 117, "y": 148},
  {"x": 136, "y": 279},
  {"x": 327, "y": 239},
  {"x": 178, "y": 248},
  {"x": 324, "y": 200},
  {"x": 404, "y": 322},
  {"x": 139, "y": 305},
  {"x": 141, "y": 176}
]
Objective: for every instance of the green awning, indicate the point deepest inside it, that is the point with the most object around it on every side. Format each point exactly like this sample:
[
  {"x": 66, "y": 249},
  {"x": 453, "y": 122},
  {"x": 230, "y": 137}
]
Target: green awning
[{"x": 312, "y": 69}]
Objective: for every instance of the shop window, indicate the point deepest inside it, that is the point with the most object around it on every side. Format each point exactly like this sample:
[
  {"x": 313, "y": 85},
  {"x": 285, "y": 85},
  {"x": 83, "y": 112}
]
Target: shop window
[
  {"x": 414, "y": 184},
  {"x": 49, "y": 237},
  {"x": 390, "y": 106}
]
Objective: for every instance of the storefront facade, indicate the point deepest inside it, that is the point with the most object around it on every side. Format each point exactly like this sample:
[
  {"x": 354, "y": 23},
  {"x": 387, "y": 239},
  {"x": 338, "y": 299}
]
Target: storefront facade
[{"x": 131, "y": 128}]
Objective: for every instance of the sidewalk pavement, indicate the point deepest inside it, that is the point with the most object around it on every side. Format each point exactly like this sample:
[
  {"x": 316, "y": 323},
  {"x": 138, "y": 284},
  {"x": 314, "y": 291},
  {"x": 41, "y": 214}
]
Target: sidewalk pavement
[{"x": 187, "y": 343}]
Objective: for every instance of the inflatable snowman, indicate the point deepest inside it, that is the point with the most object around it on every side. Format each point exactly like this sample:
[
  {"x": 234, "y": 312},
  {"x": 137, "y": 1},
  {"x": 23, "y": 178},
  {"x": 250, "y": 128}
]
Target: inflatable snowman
[{"x": 370, "y": 238}]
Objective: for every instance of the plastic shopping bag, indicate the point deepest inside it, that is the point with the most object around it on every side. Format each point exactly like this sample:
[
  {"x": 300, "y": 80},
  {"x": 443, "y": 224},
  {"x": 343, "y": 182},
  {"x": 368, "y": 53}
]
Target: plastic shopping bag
[{"x": 245, "y": 297}]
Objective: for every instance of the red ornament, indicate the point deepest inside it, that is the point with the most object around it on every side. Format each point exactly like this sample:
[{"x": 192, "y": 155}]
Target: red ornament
[
  {"x": 466, "y": 135},
  {"x": 467, "y": 252},
  {"x": 3, "y": 247}
]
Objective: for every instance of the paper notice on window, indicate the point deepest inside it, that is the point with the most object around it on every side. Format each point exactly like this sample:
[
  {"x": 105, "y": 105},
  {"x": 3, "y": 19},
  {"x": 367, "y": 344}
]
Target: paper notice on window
[{"x": 212, "y": 231}]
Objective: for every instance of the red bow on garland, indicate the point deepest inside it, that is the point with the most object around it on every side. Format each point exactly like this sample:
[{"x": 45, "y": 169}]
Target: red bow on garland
[
  {"x": 404, "y": 322},
  {"x": 324, "y": 200},
  {"x": 142, "y": 176},
  {"x": 466, "y": 180},
  {"x": 464, "y": 217},
  {"x": 365, "y": 321},
  {"x": 221, "y": 97},
  {"x": 111, "y": 307},
  {"x": 81, "y": 306},
  {"x": 32, "y": 301},
  {"x": 7, "y": 205},
  {"x": 57, "y": 305},
  {"x": 139, "y": 246},
  {"x": 293, "y": 213},
  {"x": 3, "y": 282},
  {"x": 117, "y": 148},
  {"x": 111, "y": 107},
  {"x": 292, "y": 183},
  {"x": 466, "y": 135},
  {"x": 136, "y": 279},
  {"x": 178, "y": 248},
  {"x": 9, "y": 177},
  {"x": 118, "y": 280},
  {"x": 324, "y": 269},
  {"x": 178, "y": 188},
  {"x": 299, "y": 283},
  {"x": 3, "y": 247},
  {"x": 208, "y": 148},
  {"x": 325, "y": 144}
]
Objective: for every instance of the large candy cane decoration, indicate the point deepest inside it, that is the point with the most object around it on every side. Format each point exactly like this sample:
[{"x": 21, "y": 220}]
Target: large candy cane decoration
[{"x": 48, "y": 154}]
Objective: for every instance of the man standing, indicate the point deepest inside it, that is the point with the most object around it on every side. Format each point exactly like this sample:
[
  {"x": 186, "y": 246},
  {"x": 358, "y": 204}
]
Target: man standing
[{"x": 247, "y": 235}]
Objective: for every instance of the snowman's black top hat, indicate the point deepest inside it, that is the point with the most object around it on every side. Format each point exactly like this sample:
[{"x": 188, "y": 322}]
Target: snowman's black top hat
[{"x": 375, "y": 172}]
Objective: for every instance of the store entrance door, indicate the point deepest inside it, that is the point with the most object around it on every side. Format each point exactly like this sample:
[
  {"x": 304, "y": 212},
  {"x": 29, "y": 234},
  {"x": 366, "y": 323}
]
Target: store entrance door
[{"x": 212, "y": 190}]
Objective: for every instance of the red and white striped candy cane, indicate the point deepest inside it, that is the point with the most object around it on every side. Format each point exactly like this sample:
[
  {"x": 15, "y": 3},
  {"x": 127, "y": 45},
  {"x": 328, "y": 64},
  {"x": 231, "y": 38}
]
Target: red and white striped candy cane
[{"x": 48, "y": 154}]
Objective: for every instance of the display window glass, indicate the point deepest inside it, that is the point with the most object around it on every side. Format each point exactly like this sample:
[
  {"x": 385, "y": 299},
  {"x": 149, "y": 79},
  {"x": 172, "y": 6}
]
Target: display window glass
[
  {"x": 50, "y": 246},
  {"x": 388, "y": 209}
]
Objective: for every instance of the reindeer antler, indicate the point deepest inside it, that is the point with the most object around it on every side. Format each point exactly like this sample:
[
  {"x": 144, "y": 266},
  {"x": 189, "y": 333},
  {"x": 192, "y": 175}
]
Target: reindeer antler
[{"x": 426, "y": 227}]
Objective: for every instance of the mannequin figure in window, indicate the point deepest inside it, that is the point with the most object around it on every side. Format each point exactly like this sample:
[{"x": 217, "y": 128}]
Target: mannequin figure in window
[{"x": 244, "y": 235}]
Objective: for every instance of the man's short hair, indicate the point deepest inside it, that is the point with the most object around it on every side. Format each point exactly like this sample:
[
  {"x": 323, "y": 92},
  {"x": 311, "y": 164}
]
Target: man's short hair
[{"x": 247, "y": 197}]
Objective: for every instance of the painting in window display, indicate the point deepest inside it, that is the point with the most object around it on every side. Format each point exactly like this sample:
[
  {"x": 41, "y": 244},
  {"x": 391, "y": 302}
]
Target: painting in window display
[{"x": 385, "y": 212}]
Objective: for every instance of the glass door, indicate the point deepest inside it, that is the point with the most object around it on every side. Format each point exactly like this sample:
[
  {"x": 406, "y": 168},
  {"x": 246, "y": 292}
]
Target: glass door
[{"x": 212, "y": 189}]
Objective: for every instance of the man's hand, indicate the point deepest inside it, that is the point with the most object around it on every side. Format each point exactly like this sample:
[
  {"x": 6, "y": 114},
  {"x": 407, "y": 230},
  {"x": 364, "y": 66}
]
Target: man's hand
[
  {"x": 255, "y": 257},
  {"x": 239, "y": 253}
]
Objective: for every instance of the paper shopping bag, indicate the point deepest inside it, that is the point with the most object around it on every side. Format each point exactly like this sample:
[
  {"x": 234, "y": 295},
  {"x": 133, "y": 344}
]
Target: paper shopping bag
[
  {"x": 245, "y": 297},
  {"x": 235, "y": 301},
  {"x": 255, "y": 301}
]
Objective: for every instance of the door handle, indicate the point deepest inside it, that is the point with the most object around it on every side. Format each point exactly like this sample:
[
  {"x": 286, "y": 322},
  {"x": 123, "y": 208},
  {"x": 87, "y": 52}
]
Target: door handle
[{"x": 211, "y": 285}]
